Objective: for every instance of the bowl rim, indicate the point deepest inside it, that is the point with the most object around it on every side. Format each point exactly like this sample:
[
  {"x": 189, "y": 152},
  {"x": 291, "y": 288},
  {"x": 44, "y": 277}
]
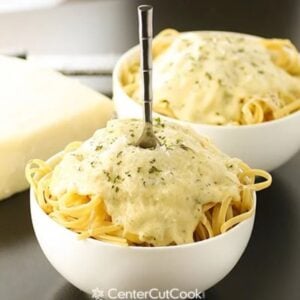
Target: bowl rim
[
  {"x": 134, "y": 51},
  {"x": 33, "y": 202}
]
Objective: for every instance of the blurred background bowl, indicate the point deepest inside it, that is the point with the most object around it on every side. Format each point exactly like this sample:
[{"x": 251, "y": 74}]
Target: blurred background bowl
[{"x": 267, "y": 145}]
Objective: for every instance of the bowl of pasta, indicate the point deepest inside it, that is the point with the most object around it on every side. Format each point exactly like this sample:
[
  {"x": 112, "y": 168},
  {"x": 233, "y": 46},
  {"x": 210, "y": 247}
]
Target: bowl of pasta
[
  {"x": 242, "y": 91},
  {"x": 113, "y": 216}
]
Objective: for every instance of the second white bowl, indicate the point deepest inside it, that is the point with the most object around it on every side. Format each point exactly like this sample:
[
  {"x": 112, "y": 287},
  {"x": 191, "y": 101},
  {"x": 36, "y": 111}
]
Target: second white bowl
[{"x": 267, "y": 145}]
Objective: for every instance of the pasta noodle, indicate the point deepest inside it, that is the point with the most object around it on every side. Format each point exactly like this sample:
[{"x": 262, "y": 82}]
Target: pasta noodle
[
  {"x": 88, "y": 214},
  {"x": 220, "y": 78}
]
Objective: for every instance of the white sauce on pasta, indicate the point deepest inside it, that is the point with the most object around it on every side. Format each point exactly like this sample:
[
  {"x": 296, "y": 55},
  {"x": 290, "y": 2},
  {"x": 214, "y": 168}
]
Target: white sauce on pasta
[
  {"x": 154, "y": 193},
  {"x": 208, "y": 77}
]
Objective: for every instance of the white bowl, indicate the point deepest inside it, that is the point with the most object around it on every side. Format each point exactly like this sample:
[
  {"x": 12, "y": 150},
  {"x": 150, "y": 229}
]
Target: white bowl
[
  {"x": 90, "y": 264},
  {"x": 267, "y": 145}
]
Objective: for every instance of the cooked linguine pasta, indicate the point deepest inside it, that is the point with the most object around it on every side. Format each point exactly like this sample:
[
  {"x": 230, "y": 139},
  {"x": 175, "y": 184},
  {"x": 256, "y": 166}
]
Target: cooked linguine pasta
[
  {"x": 220, "y": 78},
  {"x": 183, "y": 191}
]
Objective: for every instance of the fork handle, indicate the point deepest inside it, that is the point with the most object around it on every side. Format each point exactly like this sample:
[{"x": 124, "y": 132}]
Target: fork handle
[{"x": 145, "y": 13}]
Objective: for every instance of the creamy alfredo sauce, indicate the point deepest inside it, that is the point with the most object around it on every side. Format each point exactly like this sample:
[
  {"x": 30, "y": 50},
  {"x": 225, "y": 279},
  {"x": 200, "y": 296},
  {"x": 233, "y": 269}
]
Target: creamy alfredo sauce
[
  {"x": 154, "y": 193},
  {"x": 207, "y": 77}
]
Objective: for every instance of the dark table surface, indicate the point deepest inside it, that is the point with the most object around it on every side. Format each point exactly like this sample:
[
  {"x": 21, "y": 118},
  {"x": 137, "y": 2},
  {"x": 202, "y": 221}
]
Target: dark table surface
[{"x": 268, "y": 270}]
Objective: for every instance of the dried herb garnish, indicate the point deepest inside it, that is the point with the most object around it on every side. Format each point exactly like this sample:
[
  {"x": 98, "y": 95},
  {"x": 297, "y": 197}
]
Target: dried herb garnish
[
  {"x": 184, "y": 147},
  {"x": 107, "y": 175},
  {"x": 208, "y": 75},
  {"x": 153, "y": 169}
]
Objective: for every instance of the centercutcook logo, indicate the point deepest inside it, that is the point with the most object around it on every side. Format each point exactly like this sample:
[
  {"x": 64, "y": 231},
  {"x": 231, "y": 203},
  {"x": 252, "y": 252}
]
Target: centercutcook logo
[{"x": 153, "y": 293}]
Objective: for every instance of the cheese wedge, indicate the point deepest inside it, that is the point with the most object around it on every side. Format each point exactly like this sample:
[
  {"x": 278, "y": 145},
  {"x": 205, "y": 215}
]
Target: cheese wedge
[{"x": 41, "y": 111}]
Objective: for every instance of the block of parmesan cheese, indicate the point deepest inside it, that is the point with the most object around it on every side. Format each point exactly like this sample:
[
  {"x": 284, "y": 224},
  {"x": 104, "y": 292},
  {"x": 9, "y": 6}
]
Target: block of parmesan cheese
[{"x": 41, "y": 111}]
